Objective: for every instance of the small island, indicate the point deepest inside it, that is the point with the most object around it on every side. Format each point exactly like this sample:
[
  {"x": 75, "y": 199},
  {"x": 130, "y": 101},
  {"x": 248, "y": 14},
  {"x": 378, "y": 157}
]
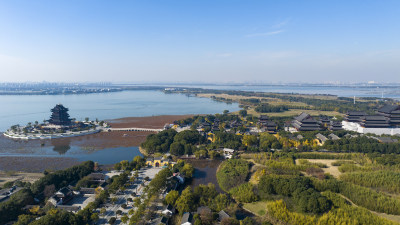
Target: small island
[{"x": 58, "y": 126}]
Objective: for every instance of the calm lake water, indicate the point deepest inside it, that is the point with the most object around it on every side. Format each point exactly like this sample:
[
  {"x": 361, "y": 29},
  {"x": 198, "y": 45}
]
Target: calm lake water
[
  {"x": 104, "y": 156},
  {"x": 20, "y": 109}
]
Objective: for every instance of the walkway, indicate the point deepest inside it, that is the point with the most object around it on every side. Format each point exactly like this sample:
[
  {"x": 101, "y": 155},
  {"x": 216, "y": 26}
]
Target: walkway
[{"x": 134, "y": 129}]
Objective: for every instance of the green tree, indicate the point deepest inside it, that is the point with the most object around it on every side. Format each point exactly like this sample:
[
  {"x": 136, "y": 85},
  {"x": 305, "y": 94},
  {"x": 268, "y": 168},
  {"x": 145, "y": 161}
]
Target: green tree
[
  {"x": 185, "y": 202},
  {"x": 171, "y": 197},
  {"x": 243, "y": 113},
  {"x": 124, "y": 219}
]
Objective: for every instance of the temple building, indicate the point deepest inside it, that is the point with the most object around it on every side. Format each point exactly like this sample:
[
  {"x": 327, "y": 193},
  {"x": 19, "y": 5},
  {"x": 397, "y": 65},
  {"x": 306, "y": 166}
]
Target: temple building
[
  {"x": 335, "y": 125},
  {"x": 267, "y": 125},
  {"x": 376, "y": 121},
  {"x": 392, "y": 113},
  {"x": 354, "y": 116},
  {"x": 60, "y": 116},
  {"x": 305, "y": 122},
  {"x": 324, "y": 122}
]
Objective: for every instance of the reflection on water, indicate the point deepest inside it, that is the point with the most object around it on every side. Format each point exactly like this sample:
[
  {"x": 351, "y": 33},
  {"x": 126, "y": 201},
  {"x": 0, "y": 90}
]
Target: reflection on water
[
  {"x": 61, "y": 146},
  {"x": 205, "y": 172},
  {"x": 64, "y": 148}
]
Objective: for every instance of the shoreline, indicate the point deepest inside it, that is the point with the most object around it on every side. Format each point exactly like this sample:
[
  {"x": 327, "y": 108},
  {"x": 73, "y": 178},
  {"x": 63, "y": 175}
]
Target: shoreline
[{"x": 143, "y": 151}]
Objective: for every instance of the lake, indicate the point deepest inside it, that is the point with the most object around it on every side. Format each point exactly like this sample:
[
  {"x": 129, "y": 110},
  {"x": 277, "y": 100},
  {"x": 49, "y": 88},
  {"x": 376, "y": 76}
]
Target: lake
[{"x": 21, "y": 109}]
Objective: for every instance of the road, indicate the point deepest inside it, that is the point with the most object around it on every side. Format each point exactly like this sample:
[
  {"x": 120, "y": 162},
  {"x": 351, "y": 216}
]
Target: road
[{"x": 123, "y": 196}]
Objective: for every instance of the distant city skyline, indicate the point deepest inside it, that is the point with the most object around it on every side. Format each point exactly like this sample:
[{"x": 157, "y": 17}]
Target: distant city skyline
[{"x": 227, "y": 41}]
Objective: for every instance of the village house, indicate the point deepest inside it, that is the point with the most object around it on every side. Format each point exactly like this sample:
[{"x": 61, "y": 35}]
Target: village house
[
  {"x": 62, "y": 196},
  {"x": 168, "y": 210},
  {"x": 187, "y": 219},
  {"x": 228, "y": 153}
]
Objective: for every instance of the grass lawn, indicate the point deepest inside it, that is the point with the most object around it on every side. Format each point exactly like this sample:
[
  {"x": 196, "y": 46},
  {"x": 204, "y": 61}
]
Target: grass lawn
[{"x": 258, "y": 208}]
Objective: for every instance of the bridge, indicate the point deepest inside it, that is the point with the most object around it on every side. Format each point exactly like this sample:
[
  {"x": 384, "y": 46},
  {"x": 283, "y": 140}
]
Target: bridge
[{"x": 134, "y": 129}]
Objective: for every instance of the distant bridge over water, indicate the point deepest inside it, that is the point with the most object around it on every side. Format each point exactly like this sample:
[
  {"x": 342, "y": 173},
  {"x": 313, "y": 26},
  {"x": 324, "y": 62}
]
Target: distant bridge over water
[{"x": 135, "y": 129}]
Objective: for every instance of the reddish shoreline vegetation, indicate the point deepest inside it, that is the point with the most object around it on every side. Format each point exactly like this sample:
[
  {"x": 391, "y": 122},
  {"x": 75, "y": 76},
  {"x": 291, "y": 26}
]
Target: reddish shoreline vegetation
[{"x": 146, "y": 122}]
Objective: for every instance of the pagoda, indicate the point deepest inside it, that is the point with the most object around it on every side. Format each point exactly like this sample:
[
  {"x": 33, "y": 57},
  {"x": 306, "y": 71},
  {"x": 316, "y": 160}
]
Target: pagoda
[{"x": 60, "y": 116}]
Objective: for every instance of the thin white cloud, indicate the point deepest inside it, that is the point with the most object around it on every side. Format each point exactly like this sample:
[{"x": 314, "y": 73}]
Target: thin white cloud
[
  {"x": 282, "y": 23},
  {"x": 265, "y": 34}
]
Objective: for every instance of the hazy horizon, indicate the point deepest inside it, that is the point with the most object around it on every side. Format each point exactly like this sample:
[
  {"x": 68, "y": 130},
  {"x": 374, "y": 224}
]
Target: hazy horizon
[{"x": 200, "y": 41}]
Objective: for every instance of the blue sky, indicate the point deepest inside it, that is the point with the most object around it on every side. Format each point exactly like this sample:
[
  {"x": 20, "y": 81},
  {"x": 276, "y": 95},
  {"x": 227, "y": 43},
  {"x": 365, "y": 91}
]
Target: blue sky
[{"x": 206, "y": 41}]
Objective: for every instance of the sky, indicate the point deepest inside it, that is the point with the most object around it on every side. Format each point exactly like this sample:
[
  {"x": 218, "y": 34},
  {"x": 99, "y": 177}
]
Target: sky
[{"x": 217, "y": 41}]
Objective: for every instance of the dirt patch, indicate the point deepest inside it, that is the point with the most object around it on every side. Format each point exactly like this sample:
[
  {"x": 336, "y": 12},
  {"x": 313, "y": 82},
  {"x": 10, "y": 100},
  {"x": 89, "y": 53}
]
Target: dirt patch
[
  {"x": 14, "y": 176},
  {"x": 333, "y": 170},
  {"x": 154, "y": 122}
]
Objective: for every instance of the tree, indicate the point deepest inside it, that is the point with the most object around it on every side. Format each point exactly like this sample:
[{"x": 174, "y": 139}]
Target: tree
[
  {"x": 187, "y": 170},
  {"x": 226, "y": 111},
  {"x": 230, "y": 221},
  {"x": 103, "y": 211},
  {"x": 243, "y": 113},
  {"x": 185, "y": 202},
  {"x": 112, "y": 220},
  {"x": 124, "y": 164},
  {"x": 171, "y": 197},
  {"x": 94, "y": 217},
  {"x": 249, "y": 140},
  {"x": 118, "y": 212},
  {"x": 24, "y": 219},
  {"x": 124, "y": 218},
  {"x": 177, "y": 149},
  {"x": 117, "y": 166},
  {"x": 247, "y": 221},
  {"x": 220, "y": 202}
]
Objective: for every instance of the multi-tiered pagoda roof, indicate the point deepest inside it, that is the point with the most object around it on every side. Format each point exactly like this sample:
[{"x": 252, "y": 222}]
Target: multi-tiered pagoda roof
[
  {"x": 392, "y": 113},
  {"x": 376, "y": 121},
  {"x": 60, "y": 116},
  {"x": 266, "y": 124},
  {"x": 335, "y": 125},
  {"x": 305, "y": 122},
  {"x": 354, "y": 116}
]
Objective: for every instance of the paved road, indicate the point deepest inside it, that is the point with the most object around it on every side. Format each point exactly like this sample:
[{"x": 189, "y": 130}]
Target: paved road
[{"x": 122, "y": 198}]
